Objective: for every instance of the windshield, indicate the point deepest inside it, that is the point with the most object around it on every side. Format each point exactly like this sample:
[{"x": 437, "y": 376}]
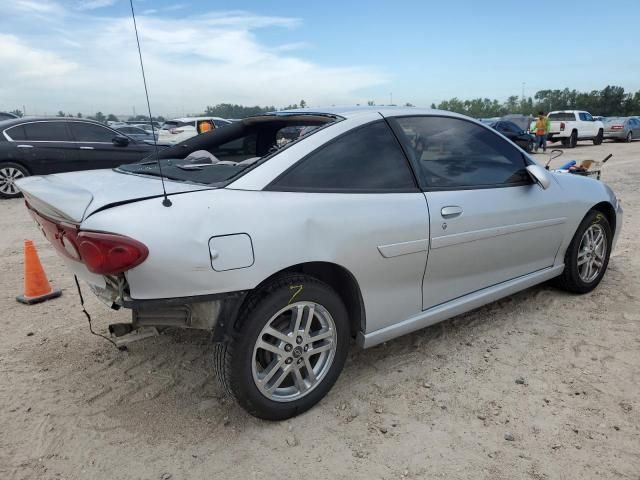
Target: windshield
[{"x": 217, "y": 157}]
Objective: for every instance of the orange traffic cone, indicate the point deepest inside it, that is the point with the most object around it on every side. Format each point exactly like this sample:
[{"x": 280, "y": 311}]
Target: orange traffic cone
[{"x": 36, "y": 286}]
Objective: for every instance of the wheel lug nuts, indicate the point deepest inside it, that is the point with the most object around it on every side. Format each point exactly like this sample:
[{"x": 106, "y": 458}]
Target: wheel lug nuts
[
  {"x": 306, "y": 347},
  {"x": 299, "y": 361},
  {"x": 288, "y": 360},
  {"x": 287, "y": 348},
  {"x": 298, "y": 340}
]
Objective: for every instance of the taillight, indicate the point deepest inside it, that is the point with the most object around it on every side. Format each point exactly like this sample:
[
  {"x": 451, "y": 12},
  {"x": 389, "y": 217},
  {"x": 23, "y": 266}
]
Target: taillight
[
  {"x": 108, "y": 254},
  {"x": 616, "y": 127},
  {"x": 562, "y": 126}
]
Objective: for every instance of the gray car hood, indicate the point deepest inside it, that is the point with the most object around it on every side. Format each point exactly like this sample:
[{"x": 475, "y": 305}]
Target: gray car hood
[{"x": 74, "y": 196}]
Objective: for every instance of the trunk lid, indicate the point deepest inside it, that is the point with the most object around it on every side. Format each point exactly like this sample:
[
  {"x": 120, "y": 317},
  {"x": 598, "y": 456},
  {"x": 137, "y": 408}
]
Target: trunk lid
[{"x": 72, "y": 197}]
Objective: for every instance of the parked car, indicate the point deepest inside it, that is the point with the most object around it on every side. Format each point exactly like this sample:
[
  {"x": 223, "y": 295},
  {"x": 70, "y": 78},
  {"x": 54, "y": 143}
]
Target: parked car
[
  {"x": 39, "y": 146},
  {"x": 179, "y": 129},
  {"x": 622, "y": 128},
  {"x": 7, "y": 116},
  {"x": 378, "y": 223},
  {"x": 569, "y": 126},
  {"x": 137, "y": 133},
  {"x": 514, "y": 133}
]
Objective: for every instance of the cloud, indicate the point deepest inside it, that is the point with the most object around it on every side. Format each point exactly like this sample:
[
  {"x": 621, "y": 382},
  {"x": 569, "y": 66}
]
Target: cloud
[
  {"x": 94, "y": 4},
  {"x": 86, "y": 62},
  {"x": 24, "y": 61},
  {"x": 36, "y": 6}
]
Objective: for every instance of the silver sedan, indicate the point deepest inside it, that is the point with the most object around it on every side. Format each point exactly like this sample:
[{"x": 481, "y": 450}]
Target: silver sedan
[
  {"x": 376, "y": 223},
  {"x": 622, "y": 128}
]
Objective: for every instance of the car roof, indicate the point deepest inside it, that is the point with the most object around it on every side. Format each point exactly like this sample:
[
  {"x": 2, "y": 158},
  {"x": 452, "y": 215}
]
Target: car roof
[
  {"x": 357, "y": 110},
  {"x": 189, "y": 119},
  {"x": 17, "y": 121}
]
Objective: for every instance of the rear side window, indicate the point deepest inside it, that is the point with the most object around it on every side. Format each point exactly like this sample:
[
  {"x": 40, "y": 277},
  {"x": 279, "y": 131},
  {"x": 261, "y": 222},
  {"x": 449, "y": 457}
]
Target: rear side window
[
  {"x": 452, "y": 153},
  {"x": 16, "y": 133},
  {"x": 562, "y": 116},
  {"x": 88, "y": 132},
  {"x": 46, "y": 131},
  {"x": 368, "y": 159}
]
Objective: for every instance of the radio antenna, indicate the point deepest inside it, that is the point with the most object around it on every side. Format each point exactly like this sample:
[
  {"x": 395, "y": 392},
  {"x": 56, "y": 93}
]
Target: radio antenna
[{"x": 166, "y": 202}]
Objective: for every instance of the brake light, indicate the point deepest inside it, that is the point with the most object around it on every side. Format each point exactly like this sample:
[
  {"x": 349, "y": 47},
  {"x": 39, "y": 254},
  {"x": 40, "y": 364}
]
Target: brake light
[
  {"x": 108, "y": 254},
  {"x": 562, "y": 126},
  {"x": 616, "y": 127}
]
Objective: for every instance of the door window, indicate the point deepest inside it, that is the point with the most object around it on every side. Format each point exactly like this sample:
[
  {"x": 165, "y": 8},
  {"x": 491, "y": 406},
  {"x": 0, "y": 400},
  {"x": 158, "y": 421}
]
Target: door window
[
  {"x": 452, "y": 154},
  {"x": 89, "y": 132},
  {"x": 368, "y": 159},
  {"x": 46, "y": 132},
  {"x": 16, "y": 133}
]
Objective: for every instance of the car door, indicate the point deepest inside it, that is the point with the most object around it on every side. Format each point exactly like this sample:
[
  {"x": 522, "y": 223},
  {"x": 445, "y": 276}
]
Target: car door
[
  {"x": 489, "y": 223},
  {"x": 356, "y": 201},
  {"x": 45, "y": 146},
  {"x": 96, "y": 148}
]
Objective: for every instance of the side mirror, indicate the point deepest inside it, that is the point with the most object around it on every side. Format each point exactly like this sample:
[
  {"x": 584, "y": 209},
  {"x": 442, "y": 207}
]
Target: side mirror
[
  {"x": 120, "y": 141},
  {"x": 539, "y": 175}
]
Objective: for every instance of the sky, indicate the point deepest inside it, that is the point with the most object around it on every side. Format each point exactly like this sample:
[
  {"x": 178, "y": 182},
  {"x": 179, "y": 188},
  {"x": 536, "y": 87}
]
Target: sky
[{"x": 81, "y": 56}]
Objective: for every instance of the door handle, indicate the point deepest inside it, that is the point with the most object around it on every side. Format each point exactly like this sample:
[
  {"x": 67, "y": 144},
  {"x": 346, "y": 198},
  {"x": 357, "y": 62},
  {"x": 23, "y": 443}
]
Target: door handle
[
  {"x": 25, "y": 146},
  {"x": 86, "y": 148},
  {"x": 451, "y": 211}
]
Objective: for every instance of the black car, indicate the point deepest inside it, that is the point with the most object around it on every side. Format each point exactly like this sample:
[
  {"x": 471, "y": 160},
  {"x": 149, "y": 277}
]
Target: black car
[
  {"x": 39, "y": 146},
  {"x": 514, "y": 133},
  {"x": 7, "y": 116}
]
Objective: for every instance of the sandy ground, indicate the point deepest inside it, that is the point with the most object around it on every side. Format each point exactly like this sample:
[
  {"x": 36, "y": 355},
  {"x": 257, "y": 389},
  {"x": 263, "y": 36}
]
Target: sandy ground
[{"x": 435, "y": 404}]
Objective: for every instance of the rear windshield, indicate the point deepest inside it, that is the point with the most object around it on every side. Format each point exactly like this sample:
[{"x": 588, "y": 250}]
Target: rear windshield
[
  {"x": 615, "y": 120},
  {"x": 218, "y": 157},
  {"x": 562, "y": 116},
  {"x": 176, "y": 124}
]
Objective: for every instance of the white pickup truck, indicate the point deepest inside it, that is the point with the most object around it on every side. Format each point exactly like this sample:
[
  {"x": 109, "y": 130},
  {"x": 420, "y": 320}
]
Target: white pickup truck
[{"x": 569, "y": 126}]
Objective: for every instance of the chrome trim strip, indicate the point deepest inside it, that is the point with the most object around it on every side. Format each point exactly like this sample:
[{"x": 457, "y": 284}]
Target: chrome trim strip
[
  {"x": 457, "y": 306},
  {"x": 403, "y": 248},
  {"x": 466, "y": 237}
]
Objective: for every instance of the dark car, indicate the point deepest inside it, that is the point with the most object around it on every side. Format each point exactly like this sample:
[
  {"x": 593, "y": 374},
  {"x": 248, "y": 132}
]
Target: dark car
[
  {"x": 138, "y": 133},
  {"x": 39, "y": 146},
  {"x": 7, "y": 116},
  {"x": 514, "y": 133}
]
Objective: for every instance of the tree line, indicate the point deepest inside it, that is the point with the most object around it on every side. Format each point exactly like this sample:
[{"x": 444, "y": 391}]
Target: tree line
[{"x": 608, "y": 102}]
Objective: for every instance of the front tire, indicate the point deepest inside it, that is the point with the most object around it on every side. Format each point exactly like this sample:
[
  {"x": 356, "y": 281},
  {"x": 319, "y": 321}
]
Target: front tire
[
  {"x": 599, "y": 137},
  {"x": 290, "y": 348},
  {"x": 629, "y": 138},
  {"x": 587, "y": 256},
  {"x": 9, "y": 173}
]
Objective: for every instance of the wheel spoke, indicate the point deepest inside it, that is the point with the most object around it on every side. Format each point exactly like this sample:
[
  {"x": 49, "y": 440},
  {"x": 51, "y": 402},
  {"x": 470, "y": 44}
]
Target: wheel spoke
[
  {"x": 310, "y": 372},
  {"x": 320, "y": 336},
  {"x": 582, "y": 258},
  {"x": 279, "y": 379},
  {"x": 321, "y": 348},
  {"x": 270, "y": 348},
  {"x": 309, "y": 319},
  {"x": 297, "y": 376},
  {"x": 277, "y": 334},
  {"x": 297, "y": 313},
  {"x": 273, "y": 368}
]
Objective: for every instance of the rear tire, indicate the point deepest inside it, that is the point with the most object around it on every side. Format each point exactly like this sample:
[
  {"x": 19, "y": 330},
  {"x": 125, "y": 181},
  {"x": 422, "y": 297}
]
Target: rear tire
[
  {"x": 9, "y": 173},
  {"x": 599, "y": 137},
  {"x": 268, "y": 366},
  {"x": 587, "y": 256},
  {"x": 573, "y": 140}
]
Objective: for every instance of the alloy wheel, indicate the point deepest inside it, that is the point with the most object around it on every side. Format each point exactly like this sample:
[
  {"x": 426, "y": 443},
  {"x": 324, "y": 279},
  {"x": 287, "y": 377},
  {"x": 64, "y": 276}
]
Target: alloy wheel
[
  {"x": 592, "y": 253},
  {"x": 8, "y": 177},
  {"x": 294, "y": 351}
]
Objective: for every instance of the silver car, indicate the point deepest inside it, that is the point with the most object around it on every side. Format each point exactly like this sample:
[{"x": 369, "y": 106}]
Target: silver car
[
  {"x": 622, "y": 128},
  {"x": 375, "y": 224}
]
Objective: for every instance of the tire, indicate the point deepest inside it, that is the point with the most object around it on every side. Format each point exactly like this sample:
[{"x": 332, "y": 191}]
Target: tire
[
  {"x": 275, "y": 377},
  {"x": 599, "y": 137},
  {"x": 9, "y": 172},
  {"x": 629, "y": 138},
  {"x": 572, "y": 278},
  {"x": 573, "y": 139}
]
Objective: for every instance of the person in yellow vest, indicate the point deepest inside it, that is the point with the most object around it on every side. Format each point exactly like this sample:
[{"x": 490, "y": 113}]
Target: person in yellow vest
[{"x": 541, "y": 129}]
